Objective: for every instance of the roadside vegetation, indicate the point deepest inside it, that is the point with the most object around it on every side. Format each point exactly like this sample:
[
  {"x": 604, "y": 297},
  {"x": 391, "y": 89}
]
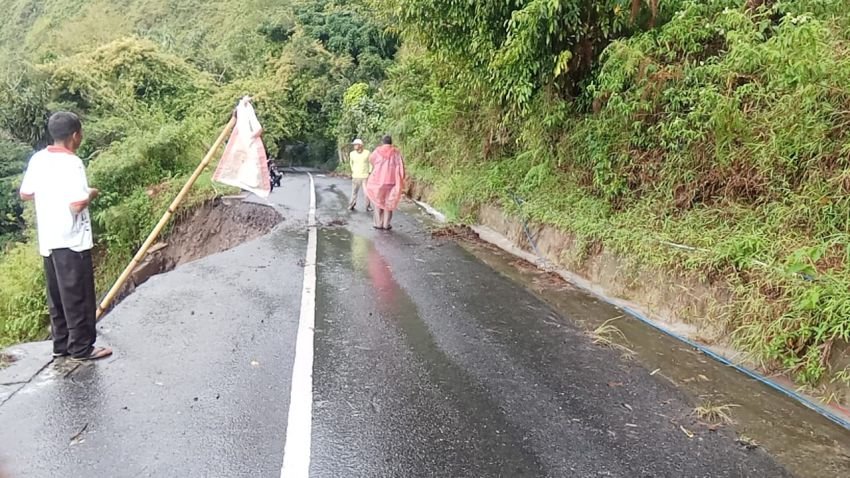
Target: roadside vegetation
[
  {"x": 154, "y": 84},
  {"x": 717, "y": 125},
  {"x": 720, "y": 125}
]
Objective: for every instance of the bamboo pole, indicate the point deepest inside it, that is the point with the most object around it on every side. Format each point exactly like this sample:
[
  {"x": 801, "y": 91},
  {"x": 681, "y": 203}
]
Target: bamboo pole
[{"x": 110, "y": 296}]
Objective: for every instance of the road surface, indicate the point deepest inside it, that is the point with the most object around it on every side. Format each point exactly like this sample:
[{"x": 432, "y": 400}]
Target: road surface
[{"x": 426, "y": 363}]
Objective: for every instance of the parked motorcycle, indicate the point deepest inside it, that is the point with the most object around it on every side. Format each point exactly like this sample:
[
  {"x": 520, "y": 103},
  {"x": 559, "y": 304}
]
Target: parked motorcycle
[{"x": 275, "y": 176}]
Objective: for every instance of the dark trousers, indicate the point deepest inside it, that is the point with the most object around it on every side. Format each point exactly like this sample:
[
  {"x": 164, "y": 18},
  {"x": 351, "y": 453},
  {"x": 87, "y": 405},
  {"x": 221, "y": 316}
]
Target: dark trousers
[{"x": 71, "y": 301}]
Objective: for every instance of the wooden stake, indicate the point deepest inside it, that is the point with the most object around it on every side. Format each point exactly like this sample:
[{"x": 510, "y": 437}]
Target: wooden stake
[{"x": 110, "y": 296}]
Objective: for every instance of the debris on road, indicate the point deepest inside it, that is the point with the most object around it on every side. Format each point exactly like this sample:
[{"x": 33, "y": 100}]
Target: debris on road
[
  {"x": 455, "y": 232},
  {"x": 747, "y": 442},
  {"x": 77, "y": 438},
  {"x": 715, "y": 413},
  {"x": 5, "y": 360},
  {"x": 336, "y": 223}
]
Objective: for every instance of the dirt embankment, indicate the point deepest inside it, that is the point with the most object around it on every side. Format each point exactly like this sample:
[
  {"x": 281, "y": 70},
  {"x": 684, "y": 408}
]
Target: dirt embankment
[{"x": 214, "y": 227}]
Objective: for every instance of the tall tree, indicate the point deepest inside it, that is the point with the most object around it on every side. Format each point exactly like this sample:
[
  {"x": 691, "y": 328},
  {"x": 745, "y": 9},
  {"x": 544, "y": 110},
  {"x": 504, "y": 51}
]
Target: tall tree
[{"x": 516, "y": 48}]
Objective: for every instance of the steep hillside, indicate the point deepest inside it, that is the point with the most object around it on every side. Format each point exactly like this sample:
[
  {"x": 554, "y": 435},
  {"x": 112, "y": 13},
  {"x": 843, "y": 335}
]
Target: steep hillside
[
  {"x": 705, "y": 139},
  {"x": 154, "y": 81},
  {"x": 220, "y": 37}
]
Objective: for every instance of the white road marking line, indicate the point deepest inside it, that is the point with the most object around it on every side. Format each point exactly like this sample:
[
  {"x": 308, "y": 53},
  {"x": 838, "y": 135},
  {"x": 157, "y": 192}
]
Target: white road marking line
[{"x": 299, "y": 428}]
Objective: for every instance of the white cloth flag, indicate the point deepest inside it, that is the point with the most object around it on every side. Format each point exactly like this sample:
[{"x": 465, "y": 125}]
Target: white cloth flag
[{"x": 244, "y": 164}]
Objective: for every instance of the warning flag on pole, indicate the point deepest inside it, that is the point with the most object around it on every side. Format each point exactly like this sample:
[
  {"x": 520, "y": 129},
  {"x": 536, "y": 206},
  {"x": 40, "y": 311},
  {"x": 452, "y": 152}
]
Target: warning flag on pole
[{"x": 244, "y": 164}]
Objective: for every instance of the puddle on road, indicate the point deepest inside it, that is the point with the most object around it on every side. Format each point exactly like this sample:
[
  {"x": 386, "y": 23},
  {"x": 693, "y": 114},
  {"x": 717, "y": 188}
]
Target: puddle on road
[{"x": 808, "y": 444}]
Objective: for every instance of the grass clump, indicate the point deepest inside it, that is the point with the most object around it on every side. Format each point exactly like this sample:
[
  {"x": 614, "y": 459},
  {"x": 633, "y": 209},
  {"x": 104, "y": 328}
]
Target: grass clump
[
  {"x": 607, "y": 334},
  {"x": 23, "y": 305},
  {"x": 610, "y": 336},
  {"x": 715, "y": 413}
]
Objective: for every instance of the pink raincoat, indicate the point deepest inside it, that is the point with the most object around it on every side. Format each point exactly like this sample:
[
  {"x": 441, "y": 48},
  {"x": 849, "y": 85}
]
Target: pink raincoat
[{"x": 385, "y": 183}]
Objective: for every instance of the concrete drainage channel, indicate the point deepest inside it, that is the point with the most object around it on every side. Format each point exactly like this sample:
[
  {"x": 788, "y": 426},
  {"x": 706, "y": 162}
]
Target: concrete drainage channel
[{"x": 790, "y": 427}]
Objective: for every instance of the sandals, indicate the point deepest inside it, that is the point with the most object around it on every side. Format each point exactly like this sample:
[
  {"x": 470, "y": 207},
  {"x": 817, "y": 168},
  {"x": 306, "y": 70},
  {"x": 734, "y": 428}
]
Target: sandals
[{"x": 95, "y": 354}]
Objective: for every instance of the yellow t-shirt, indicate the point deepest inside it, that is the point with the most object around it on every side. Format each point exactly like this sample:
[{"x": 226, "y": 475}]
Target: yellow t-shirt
[{"x": 360, "y": 165}]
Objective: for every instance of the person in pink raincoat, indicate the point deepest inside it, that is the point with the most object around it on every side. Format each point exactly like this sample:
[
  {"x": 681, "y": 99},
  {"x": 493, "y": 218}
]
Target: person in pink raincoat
[{"x": 385, "y": 184}]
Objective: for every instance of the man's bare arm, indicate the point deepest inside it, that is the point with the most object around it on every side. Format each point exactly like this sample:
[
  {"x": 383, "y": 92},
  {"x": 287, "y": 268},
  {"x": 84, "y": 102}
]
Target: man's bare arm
[
  {"x": 26, "y": 197},
  {"x": 79, "y": 206}
]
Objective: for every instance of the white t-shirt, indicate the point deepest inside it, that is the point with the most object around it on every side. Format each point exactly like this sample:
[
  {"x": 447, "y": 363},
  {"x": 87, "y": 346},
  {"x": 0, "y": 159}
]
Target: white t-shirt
[{"x": 57, "y": 178}]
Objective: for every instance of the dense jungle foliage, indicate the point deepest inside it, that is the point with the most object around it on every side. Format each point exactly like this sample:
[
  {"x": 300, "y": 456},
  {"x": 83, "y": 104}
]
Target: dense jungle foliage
[
  {"x": 720, "y": 125},
  {"x": 155, "y": 81}
]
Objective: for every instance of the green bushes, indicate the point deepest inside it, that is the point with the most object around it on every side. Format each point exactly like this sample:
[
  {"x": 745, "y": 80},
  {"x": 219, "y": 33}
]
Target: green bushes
[
  {"x": 23, "y": 307},
  {"x": 361, "y": 116},
  {"x": 12, "y": 161},
  {"x": 154, "y": 82},
  {"x": 721, "y": 129},
  {"x": 138, "y": 142}
]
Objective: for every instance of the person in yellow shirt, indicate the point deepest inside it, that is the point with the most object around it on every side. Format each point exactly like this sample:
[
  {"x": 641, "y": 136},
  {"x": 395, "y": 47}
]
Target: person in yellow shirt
[{"x": 360, "y": 169}]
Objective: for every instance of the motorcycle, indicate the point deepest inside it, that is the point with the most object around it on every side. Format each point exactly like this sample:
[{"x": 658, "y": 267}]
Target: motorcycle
[{"x": 275, "y": 176}]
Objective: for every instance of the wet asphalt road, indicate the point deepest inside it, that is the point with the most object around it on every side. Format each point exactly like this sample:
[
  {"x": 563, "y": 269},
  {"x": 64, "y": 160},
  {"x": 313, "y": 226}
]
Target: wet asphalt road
[
  {"x": 427, "y": 363},
  {"x": 199, "y": 383}
]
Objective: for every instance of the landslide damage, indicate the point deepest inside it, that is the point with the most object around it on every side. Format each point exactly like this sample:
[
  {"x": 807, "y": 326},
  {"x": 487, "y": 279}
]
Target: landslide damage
[{"x": 216, "y": 226}]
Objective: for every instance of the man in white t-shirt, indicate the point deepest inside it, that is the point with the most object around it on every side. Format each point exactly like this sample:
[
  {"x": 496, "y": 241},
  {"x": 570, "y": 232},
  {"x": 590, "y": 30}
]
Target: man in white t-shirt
[{"x": 56, "y": 181}]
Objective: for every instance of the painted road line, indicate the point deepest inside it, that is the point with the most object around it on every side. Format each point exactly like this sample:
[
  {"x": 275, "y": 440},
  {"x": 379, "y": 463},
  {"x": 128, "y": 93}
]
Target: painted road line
[{"x": 296, "y": 451}]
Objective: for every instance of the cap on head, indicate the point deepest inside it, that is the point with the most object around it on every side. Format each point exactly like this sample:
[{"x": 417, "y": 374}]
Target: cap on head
[
  {"x": 63, "y": 124},
  {"x": 357, "y": 142}
]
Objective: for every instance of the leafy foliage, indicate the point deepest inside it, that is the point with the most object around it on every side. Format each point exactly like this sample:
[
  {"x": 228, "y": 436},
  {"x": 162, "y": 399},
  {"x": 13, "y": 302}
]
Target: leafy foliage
[
  {"x": 517, "y": 48},
  {"x": 362, "y": 115},
  {"x": 12, "y": 160},
  {"x": 22, "y": 301},
  {"x": 154, "y": 81},
  {"x": 24, "y": 99},
  {"x": 721, "y": 128}
]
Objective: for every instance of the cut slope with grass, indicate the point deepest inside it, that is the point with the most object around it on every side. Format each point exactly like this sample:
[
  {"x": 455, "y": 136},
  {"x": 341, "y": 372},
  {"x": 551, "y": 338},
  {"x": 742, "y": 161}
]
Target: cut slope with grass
[{"x": 723, "y": 129}]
